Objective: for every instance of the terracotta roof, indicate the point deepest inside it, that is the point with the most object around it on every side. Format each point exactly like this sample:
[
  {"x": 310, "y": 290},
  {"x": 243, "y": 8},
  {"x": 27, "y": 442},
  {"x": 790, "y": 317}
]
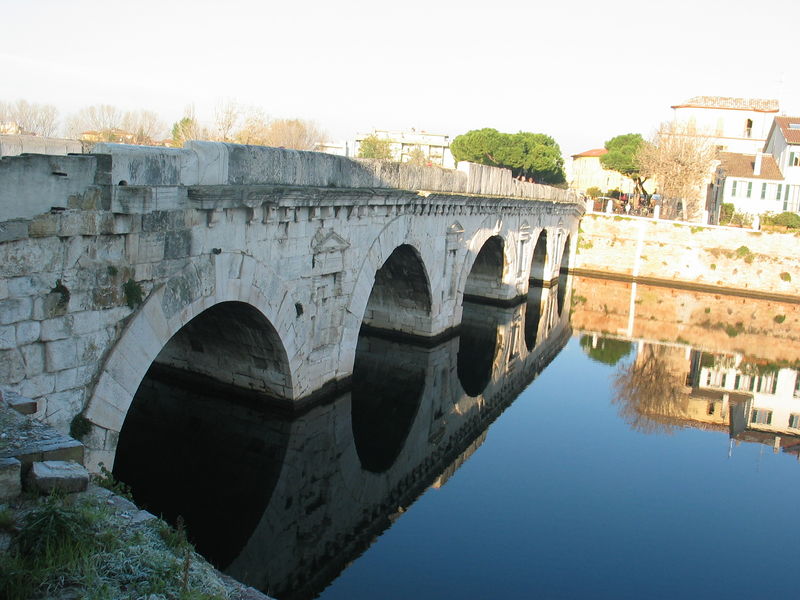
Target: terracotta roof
[
  {"x": 791, "y": 134},
  {"x": 595, "y": 152},
  {"x": 741, "y": 165},
  {"x": 756, "y": 104}
]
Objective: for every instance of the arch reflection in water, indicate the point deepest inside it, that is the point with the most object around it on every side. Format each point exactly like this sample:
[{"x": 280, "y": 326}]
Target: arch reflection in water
[
  {"x": 563, "y": 276},
  {"x": 477, "y": 346},
  {"x": 534, "y": 305},
  {"x": 388, "y": 380},
  {"x": 326, "y": 504},
  {"x": 191, "y": 444},
  {"x": 207, "y": 452}
]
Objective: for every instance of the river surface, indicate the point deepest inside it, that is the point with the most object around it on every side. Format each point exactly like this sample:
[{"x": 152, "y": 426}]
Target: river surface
[{"x": 638, "y": 443}]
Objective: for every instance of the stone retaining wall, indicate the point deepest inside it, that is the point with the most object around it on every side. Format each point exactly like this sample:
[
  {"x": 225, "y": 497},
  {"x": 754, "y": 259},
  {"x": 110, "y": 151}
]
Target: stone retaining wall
[{"x": 671, "y": 252}]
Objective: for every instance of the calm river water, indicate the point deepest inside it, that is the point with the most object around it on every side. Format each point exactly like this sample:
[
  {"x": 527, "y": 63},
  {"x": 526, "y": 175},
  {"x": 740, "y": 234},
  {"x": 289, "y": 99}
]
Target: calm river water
[{"x": 640, "y": 443}]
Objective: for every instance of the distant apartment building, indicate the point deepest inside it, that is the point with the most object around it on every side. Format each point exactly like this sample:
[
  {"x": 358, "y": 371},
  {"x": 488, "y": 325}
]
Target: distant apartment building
[
  {"x": 736, "y": 125},
  {"x": 404, "y": 144}
]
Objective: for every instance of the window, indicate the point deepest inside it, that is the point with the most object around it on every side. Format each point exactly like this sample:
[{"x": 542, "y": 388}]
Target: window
[
  {"x": 761, "y": 416},
  {"x": 749, "y": 188},
  {"x": 763, "y": 190},
  {"x": 794, "y": 421},
  {"x": 748, "y": 128},
  {"x": 780, "y": 189},
  {"x": 733, "y": 188},
  {"x": 711, "y": 408},
  {"x": 794, "y": 159}
]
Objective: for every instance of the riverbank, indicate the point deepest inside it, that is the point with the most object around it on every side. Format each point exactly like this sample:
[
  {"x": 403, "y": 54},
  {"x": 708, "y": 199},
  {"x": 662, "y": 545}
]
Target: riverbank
[
  {"x": 94, "y": 543},
  {"x": 702, "y": 257}
]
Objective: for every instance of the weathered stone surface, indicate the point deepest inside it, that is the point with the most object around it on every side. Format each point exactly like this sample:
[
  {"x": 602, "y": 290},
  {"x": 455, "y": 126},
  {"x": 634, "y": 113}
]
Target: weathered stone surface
[
  {"x": 65, "y": 476},
  {"x": 10, "y": 479},
  {"x": 21, "y": 404}
]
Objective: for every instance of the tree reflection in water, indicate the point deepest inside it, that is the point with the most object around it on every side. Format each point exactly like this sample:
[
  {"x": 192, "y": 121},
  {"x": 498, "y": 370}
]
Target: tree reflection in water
[{"x": 650, "y": 394}]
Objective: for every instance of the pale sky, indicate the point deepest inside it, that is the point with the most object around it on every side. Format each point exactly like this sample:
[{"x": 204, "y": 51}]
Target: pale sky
[{"x": 580, "y": 71}]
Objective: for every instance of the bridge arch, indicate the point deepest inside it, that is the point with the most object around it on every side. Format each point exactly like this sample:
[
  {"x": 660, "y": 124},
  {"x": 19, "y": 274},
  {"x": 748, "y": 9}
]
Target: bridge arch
[
  {"x": 563, "y": 272},
  {"x": 240, "y": 283},
  {"x": 540, "y": 259},
  {"x": 400, "y": 299},
  {"x": 414, "y": 256}
]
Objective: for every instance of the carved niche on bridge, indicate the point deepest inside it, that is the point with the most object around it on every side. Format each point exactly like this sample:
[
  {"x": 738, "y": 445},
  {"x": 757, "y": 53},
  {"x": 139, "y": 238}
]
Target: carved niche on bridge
[{"x": 327, "y": 266}]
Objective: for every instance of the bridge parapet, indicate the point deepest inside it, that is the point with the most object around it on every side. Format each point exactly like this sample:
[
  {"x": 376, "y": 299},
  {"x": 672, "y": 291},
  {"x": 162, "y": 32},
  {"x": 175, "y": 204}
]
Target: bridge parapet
[{"x": 127, "y": 179}]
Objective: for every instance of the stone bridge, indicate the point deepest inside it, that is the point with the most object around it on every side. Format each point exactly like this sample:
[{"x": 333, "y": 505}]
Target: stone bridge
[
  {"x": 295, "y": 500},
  {"x": 250, "y": 266}
]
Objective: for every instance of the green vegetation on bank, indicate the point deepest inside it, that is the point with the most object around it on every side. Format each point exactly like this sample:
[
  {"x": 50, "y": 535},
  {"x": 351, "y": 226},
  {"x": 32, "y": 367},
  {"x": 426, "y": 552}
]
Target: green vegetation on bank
[{"x": 77, "y": 545}]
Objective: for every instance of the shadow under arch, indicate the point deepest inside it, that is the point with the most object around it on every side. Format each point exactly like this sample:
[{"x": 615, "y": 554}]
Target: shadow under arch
[
  {"x": 485, "y": 277},
  {"x": 563, "y": 275},
  {"x": 400, "y": 298},
  {"x": 539, "y": 260},
  {"x": 192, "y": 444},
  {"x": 387, "y": 388}
]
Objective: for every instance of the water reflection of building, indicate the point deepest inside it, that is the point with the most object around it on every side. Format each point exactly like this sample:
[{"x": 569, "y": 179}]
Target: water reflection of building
[
  {"x": 673, "y": 385},
  {"x": 765, "y": 395},
  {"x": 718, "y": 362}
]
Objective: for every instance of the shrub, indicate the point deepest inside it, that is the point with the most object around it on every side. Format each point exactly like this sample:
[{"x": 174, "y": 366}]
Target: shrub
[
  {"x": 79, "y": 427},
  {"x": 726, "y": 214},
  {"x": 593, "y": 191},
  {"x": 785, "y": 219},
  {"x": 785, "y": 276},
  {"x": 133, "y": 293},
  {"x": 779, "y": 319}
]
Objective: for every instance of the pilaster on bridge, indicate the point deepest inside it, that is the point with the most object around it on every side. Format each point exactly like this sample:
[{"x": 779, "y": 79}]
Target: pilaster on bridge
[{"x": 251, "y": 266}]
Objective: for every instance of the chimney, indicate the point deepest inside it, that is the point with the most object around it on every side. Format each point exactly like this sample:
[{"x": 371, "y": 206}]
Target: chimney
[{"x": 757, "y": 165}]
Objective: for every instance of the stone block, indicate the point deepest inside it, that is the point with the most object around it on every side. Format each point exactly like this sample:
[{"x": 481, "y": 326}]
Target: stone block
[
  {"x": 19, "y": 403},
  {"x": 58, "y": 328},
  {"x": 12, "y": 367},
  {"x": 14, "y": 310},
  {"x": 8, "y": 337},
  {"x": 43, "y": 226},
  {"x": 27, "y": 332},
  {"x": 13, "y": 230},
  {"x": 61, "y": 408},
  {"x": 33, "y": 358},
  {"x": 60, "y": 355},
  {"x": 39, "y": 385},
  {"x": 65, "y": 476},
  {"x": 10, "y": 479}
]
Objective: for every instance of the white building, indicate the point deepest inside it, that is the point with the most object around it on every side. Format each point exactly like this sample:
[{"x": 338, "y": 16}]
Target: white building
[
  {"x": 783, "y": 142},
  {"x": 731, "y": 124},
  {"x": 763, "y": 182},
  {"x": 403, "y": 144}
]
